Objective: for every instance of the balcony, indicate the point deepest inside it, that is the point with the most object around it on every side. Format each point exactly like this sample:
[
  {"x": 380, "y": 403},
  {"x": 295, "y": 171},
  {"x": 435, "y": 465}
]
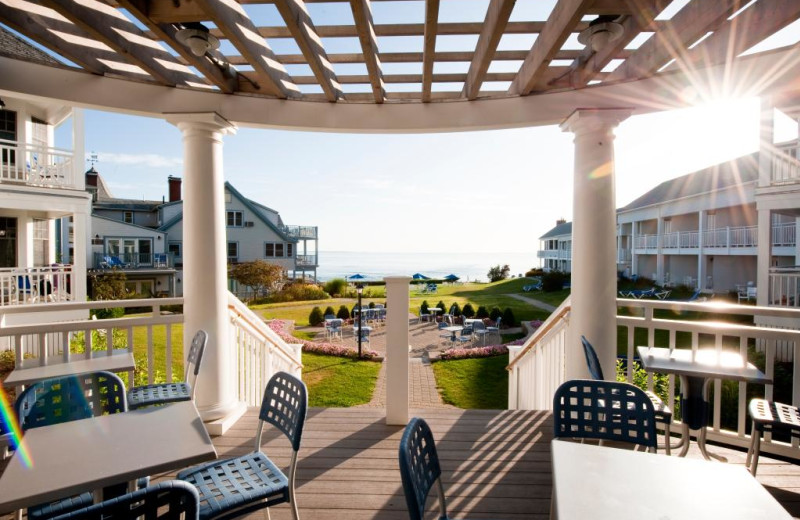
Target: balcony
[
  {"x": 730, "y": 238},
  {"x": 784, "y": 287},
  {"x": 35, "y": 285},
  {"x": 134, "y": 261},
  {"x": 32, "y": 165},
  {"x": 305, "y": 232},
  {"x": 555, "y": 254},
  {"x": 785, "y": 168},
  {"x": 306, "y": 261}
]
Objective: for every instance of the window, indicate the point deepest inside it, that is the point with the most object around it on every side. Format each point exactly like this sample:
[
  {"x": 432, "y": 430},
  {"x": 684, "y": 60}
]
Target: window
[
  {"x": 127, "y": 217},
  {"x": 41, "y": 242},
  {"x": 235, "y": 218},
  {"x": 174, "y": 248},
  {"x": 279, "y": 250},
  {"x": 269, "y": 250},
  {"x": 289, "y": 250},
  {"x": 8, "y": 125},
  {"x": 233, "y": 251}
]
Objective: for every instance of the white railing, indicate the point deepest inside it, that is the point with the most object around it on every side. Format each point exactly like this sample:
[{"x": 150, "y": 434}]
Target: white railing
[
  {"x": 301, "y": 231},
  {"x": 784, "y": 287},
  {"x": 645, "y": 242},
  {"x": 536, "y": 368},
  {"x": 48, "y": 343},
  {"x": 35, "y": 165},
  {"x": 681, "y": 240},
  {"x": 785, "y": 168},
  {"x": 623, "y": 256},
  {"x": 784, "y": 234},
  {"x": 557, "y": 254},
  {"x": 662, "y": 332},
  {"x": 260, "y": 352},
  {"x": 741, "y": 236},
  {"x": 35, "y": 285}
]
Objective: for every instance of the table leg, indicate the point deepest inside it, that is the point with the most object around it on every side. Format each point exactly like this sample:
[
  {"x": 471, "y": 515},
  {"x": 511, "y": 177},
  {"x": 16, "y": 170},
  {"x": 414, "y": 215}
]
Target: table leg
[{"x": 685, "y": 440}]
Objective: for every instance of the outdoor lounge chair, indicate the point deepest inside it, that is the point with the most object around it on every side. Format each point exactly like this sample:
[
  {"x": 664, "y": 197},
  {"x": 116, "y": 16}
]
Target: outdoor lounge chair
[
  {"x": 233, "y": 487},
  {"x": 604, "y": 410},
  {"x": 170, "y": 500},
  {"x": 663, "y": 413},
  {"x": 149, "y": 395}
]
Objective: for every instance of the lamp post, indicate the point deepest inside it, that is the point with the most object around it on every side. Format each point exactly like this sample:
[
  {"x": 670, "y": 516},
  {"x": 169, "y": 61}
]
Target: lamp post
[{"x": 359, "y": 290}]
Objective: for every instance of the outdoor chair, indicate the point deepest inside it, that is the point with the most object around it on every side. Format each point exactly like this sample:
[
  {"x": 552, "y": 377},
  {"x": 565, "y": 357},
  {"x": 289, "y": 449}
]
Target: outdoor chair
[
  {"x": 333, "y": 328},
  {"x": 420, "y": 469},
  {"x": 364, "y": 333},
  {"x": 423, "y": 316},
  {"x": 662, "y": 412},
  {"x": 769, "y": 417},
  {"x": 467, "y": 328},
  {"x": 64, "y": 399},
  {"x": 233, "y": 487},
  {"x": 446, "y": 336},
  {"x": 149, "y": 395},
  {"x": 496, "y": 328},
  {"x": 479, "y": 331},
  {"x": 465, "y": 336},
  {"x": 169, "y": 500},
  {"x": 604, "y": 410}
]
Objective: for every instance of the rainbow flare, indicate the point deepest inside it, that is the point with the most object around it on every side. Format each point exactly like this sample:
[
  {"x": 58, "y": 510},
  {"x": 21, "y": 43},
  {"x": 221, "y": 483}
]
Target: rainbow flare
[{"x": 10, "y": 420}]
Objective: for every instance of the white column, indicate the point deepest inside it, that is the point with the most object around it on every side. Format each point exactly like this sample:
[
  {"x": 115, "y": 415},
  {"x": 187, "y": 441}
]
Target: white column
[
  {"x": 82, "y": 246},
  {"x": 594, "y": 277},
  {"x": 78, "y": 149},
  {"x": 24, "y": 240},
  {"x": 634, "y": 258},
  {"x": 701, "y": 258},
  {"x": 397, "y": 349},
  {"x": 764, "y": 259},
  {"x": 205, "y": 288},
  {"x": 660, "y": 250},
  {"x": 766, "y": 137}
]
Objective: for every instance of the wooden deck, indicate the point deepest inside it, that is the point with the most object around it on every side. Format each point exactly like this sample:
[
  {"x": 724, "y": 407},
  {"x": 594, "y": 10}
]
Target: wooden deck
[{"x": 496, "y": 464}]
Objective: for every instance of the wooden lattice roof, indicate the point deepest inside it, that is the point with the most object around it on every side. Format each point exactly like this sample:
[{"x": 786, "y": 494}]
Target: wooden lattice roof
[{"x": 286, "y": 49}]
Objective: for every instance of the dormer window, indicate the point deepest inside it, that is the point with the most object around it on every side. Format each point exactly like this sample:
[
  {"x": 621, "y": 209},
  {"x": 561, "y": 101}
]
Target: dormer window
[{"x": 127, "y": 217}]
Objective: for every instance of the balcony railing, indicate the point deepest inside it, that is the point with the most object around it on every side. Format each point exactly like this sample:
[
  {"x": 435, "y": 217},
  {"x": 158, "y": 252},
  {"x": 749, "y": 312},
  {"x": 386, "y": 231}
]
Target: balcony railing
[
  {"x": 538, "y": 366},
  {"x": 306, "y": 260},
  {"x": 134, "y": 261},
  {"x": 35, "y": 285},
  {"x": 784, "y": 287},
  {"x": 309, "y": 232},
  {"x": 785, "y": 169},
  {"x": 623, "y": 256},
  {"x": 557, "y": 254},
  {"x": 645, "y": 242},
  {"x": 36, "y": 165},
  {"x": 783, "y": 235}
]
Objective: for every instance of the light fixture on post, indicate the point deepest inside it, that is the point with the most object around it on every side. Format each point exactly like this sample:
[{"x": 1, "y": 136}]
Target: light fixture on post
[
  {"x": 359, "y": 290},
  {"x": 601, "y": 31},
  {"x": 196, "y": 36}
]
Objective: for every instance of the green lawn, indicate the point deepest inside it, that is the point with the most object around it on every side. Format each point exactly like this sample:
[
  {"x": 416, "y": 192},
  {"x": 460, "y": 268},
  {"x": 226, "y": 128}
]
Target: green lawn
[
  {"x": 338, "y": 382},
  {"x": 474, "y": 383},
  {"x": 554, "y": 298}
]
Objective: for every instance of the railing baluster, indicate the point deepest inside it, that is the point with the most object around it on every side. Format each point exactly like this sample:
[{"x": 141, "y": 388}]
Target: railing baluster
[
  {"x": 168, "y": 360},
  {"x": 88, "y": 341},
  {"x": 151, "y": 362},
  {"x": 742, "y": 407}
]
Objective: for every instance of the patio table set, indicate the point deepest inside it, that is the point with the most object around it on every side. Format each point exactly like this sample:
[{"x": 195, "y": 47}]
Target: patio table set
[
  {"x": 370, "y": 317},
  {"x": 84, "y": 448},
  {"x": 470, "y": 331}
]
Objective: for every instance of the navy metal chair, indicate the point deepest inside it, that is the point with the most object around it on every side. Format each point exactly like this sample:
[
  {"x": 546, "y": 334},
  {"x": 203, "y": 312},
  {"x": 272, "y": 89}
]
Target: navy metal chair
[
  {"x": 479, "y": 331},
  {"x": 419, "y": 469},
  {"x": 149, "y": 395},
  {"x": 64, "y": 399},
  {"x": 662, "y": 411},
  {"x": 769, "y": 416},
  {"x": 232, "y": 487},
  {"x": 604, "y": 410},
  {"x": 170, "y": 500}
]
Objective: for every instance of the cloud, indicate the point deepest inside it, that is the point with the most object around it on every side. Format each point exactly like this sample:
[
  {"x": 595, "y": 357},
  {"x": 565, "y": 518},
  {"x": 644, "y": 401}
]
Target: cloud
[{"x": 145, "y": 159}]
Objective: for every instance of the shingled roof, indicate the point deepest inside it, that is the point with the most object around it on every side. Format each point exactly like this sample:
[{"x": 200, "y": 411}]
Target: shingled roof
[
  {"x": 15, "y": 47},
  {"x": 565, "y": 228},
  {"x": 720, "y": 176}
]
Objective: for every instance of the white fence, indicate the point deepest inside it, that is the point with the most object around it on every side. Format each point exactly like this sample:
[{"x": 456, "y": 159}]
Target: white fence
[
  {"x": 536, "y": 368},
  {"x": 260, "y": 352},
  {"x": 785, "y": 169},
  {"x": 35, "y": 285},
  {"x": 784, "y": 287},
  {"x": 35, "y": 165}
]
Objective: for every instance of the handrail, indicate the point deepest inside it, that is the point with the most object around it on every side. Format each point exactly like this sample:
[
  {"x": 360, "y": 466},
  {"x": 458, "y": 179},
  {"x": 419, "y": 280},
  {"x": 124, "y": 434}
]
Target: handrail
[
  {"x": 257, "y": 328},
  {"x": 99, "y": 304},
  {"x": 542, "y": 331}
]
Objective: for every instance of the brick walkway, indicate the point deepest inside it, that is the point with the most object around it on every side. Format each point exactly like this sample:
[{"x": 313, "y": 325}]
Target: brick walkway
[{"x": 422, "y": 387}]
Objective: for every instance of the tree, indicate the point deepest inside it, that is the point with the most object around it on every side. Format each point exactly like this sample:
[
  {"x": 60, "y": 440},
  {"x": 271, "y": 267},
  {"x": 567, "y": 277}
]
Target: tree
[
  {"x": 498, "y": 273},
  {"x": 508, "y": 317},
  {"x": 315, "y": 318},
  {"x": 329, "y": 311},
  {"x": 482, "y": 312},
  {"x": 468, "y": 310},
  {"x": 262, "y": 276},
  {"x": 110, "y": 286},
  {"x": 344, "y": 313}
]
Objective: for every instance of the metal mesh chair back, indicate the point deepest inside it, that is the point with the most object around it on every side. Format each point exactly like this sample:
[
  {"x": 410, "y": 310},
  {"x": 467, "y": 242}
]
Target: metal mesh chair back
[
  {"x": 588, "y": 409},
  {"x": 284, "y": 406},
  {"x": 419, "y": 467},
  {"x": 170, "y": 500},
  {"x": 591, "y": 360},
  {"x": 199, "y": 342},
  {"x": 478, "y": 325},
  {"x": 54, "y": 401}
]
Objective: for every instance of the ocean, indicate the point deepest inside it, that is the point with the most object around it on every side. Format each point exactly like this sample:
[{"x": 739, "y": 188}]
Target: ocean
[{"x": 374, "y": 266}]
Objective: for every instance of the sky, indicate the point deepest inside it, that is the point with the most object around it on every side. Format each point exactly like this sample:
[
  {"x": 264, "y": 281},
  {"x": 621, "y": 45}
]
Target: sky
[{"x": 479, "y": 191}]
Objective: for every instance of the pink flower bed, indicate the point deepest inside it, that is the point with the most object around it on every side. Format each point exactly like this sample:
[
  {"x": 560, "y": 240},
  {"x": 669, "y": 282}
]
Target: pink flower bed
[
  {"x": 328, "y": 349},
  {"x": 479, "y": 352}
]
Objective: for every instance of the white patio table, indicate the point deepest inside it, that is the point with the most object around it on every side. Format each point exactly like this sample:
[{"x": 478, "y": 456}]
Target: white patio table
[
  {"x": 604, "y": 483},
  {"x": 86, "y": 455}
]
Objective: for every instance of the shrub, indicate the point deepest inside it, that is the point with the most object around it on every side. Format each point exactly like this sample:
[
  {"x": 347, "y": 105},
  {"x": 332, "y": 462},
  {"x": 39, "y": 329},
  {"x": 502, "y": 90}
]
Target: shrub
[
  {"x": 508, "y": 317},
  {"x": 482, "y": 312},
  {"x": 468, "y": 311},
  {"x": 336, "y": 287},
  {"x": 315, "y": 317},
  {"x": 371, "y": 305},
  {"x": 554, "y": 281},
  {"x": 343, "y": 313},
  {"x": 299, "y": 292},
  {"x": 495, "y": 313},
  {"x": 262, "y": 276},
  {"x": 108, "y": 314},
  {"x": 442, "y": 306},
  {"x": 498, "y": 273},
  {"x": 423, "y": 309},
  {"x": 328, "y": 349},
  {"x": 536, "y": 271},
  {"x": 456, "y": 309},
  {"x": 329, "y": 311}
]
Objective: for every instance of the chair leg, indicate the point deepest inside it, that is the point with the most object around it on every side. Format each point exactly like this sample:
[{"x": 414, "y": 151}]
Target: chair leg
[
  {"x": 667, "y": 439},
  {"x": 756, "y": 452}
]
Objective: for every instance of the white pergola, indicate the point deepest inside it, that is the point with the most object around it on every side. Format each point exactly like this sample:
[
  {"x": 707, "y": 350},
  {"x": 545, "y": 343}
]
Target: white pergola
[{"x": 141, "y": 67}]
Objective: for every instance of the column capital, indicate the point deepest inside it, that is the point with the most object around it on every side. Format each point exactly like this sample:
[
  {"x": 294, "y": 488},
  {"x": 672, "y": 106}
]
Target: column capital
[
  {"x": 202, "y": 120},
  {"x": 585, "y": 120},
  {"x": 397, "y": 279}
]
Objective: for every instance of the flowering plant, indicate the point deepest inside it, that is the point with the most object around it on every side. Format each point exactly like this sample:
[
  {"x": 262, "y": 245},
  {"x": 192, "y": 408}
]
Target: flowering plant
[
  {"x": 479, "y": 352},
  {"x": 325, "y": 348}
]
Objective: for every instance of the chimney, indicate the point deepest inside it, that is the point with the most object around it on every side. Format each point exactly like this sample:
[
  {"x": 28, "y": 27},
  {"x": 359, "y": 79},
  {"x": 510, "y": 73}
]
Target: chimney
[
  {"x": 174, "y": 188},
  {"x": 91, "y": 177},
  {"x": 561, "y": 221}
]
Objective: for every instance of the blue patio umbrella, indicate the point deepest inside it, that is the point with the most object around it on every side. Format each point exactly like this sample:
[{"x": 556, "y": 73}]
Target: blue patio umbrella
[
  {"x": 356, "y": 277},
  {"x": 451, "y": 278},
  {"x": 419, "y": 276}
]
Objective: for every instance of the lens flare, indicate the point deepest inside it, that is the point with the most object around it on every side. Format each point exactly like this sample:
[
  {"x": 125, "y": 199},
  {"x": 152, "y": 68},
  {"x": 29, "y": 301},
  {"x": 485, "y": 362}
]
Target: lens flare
[{"x": 10, "y": 420}]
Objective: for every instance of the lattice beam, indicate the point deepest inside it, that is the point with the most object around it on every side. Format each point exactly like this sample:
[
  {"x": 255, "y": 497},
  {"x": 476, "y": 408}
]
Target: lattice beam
[
  {"x": 494, "y": 26},
  {"x": 429, "y": 46},
  {"x": 362, "y": 14}
]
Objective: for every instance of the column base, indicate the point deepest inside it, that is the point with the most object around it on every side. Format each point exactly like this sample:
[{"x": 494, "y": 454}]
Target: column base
[{"x": 219, "y": 420}]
